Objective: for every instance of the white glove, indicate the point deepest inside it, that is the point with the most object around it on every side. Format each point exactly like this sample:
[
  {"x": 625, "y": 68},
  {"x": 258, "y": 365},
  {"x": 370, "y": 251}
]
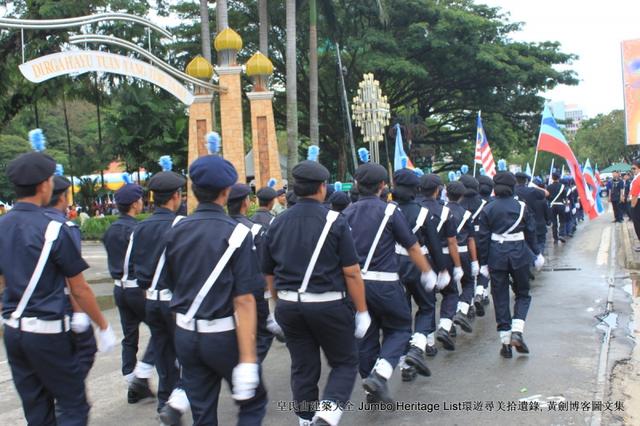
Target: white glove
[
  {"x": 245, "y": 380},
  {"x": 80, "y": 322},
  {"x": 484, "y": 271},
  {"x": 475, "y": 268},
  {"x": 458, "y": 273},
  {"x": 274, "y": 328},
  {"x": 106, "y": 339},
  {"x": 566, "y": 209},
  {"x": 443, "y": 279},
  {"x": 577, "y": 205},
  {"x": 428, "y": 280},
  {"x": 573, "y": 210},
  {"x": 363, "y": 321},
  {"x": 539, "y": 262}
]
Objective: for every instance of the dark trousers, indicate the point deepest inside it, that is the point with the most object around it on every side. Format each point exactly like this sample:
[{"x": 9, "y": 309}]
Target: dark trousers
[
  {"x": 424, "y": 321},
  {"x": 309, "y": 327},
  {"x": 48, "y": 377},
  {"x": 86, "y": 348},
  {"x": 162, "y": 325},
  {"x": 264, "y": 338},
  {"x": 501, "y": 297},
  {"x": 541, "y": 235},
  {"x": 617, "y": 210},
  {"x": 131, "y": 306},
  {"x": 558, "y": 219},
  {"x": 483, "y": 281},
  {"x": 207, "y": 359},
  {"x": 467, "y": 283},
  {"x": 390, "y": 314}
]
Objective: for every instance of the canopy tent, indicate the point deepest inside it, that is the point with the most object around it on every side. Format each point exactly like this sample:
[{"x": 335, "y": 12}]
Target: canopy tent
[{"x": 617, "y": 167}]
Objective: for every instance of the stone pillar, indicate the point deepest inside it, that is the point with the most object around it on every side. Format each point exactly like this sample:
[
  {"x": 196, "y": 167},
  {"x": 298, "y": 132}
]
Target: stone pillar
[
  {"x": 266, "y": 160},
  {"x": 201, "y": 122},
  {"x": 232, "y": 131}
]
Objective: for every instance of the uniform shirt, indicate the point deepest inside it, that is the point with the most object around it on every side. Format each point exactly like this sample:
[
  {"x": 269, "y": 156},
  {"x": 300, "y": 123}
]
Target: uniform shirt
[
  {"x": 496, "y": 218},
  {"x": 473, "y": 202},
  {"x": 116, "y": 241},
  {"x": 263, "y": 216},
  {"x": 557, "y": 192},
  {"x": 627, "y": 190},
  {"x": 448, "y": 229},
  {"x": 617, "y": 186},
  {"x": 531, "y": 197},
  {"x": 57, "y": 215},
  {"x": 542, "y": 213},
  {"x": 148, "y": 243},
  {"x": 364, "y": 218},
  {"x": 194, "y": 246},
  {"x": 289, "y": 244},
  {"x": 427, "y": 234},
  {"x": 22, "y": 230},
  {"x": 257, "y": 244},
  {"x": 467, "y": 230}
]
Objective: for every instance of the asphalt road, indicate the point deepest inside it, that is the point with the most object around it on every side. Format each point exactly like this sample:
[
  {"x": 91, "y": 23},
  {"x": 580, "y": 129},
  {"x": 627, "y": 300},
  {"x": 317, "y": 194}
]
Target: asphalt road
[{"x": 473, "y": 385}]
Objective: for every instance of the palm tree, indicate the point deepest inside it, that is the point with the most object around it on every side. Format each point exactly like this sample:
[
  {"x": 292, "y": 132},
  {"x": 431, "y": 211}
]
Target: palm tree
[
  {"x": 314, "y": 133},
  {"x": 222, "y": 18},
  {"x": 263, "y": 16},
  {"x": 205, "y": 33},
  {"x": 291, "y": 88}
]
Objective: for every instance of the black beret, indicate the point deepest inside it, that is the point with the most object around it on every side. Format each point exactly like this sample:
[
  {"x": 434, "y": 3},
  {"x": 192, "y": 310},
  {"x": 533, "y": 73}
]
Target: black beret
[
  {"x": 165, "y": 182},
  {"x": 469, "y": 182},
  {"x": 310, "y": 171},
  {"x": 239, "y": 191},
  {"x": 456, "y": 189},
  {"x": 485, "y": 180},
  {"x": 212, "y": 172},
  {"x": 369, "y": 173},
  {"x": 430, "y": 181},
  {"x": 31, "y": 169},
  {"x": 266, "y": 194},
  {"x": 339, "y": 200},
  {"x": 128, "y": 194},
  {"x": 292, "y": 198},
  {"x": 522, "y": 175},
  {"x": 281, "y": 192},
  {"x": 330, "y": 190},
  {"x": 406, "y": 177},
  {"x": 505, "y": 178},
  {"x": 60, "y": 184},
  {"x": 555, "y": 176}
]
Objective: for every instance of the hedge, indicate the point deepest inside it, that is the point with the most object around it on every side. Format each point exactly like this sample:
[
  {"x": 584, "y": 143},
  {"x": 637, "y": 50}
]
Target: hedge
[{"x": 94, "y": 228}]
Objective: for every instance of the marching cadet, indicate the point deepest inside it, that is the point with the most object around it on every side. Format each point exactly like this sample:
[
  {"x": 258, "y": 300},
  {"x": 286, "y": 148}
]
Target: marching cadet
[
  {"x": 211, "y": 270},
  {"x": 431, "y": 186},
  {"x": 129, "y": 297},
  {"x": 266, "y": 200},
  {"x": 281, "y": 202},
  {"x": 485, "y": 189},
  {"x": 571, "y": 210},
  {"x": 557, "y": 200},
  {"x": 542, "y": 212},
  {"x": 422, "y": 225},
  {"x": 377, "y": 227},
  {"x": 39, "y": 259},
  {"x": 465, "y": 237},
  {"x": 507, "y": 233},
  {"x": 83, "y": 336},
  {"x": 238, "y": 206},
  {"x": 339, "y": 200},
  {"x": 309, "y": 259},
  {"x": 148, "y": 259}
]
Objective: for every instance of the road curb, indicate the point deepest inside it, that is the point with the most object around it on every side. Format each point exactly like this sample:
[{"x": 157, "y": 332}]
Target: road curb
[{"x": 631, "y": 258}]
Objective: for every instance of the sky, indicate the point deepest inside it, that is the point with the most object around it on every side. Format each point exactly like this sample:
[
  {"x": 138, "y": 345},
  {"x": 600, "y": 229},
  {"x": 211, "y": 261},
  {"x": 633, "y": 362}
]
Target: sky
[{"x": 591, "y": 29}]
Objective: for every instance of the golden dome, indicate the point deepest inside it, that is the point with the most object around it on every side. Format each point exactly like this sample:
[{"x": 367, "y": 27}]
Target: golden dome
[
  {"x": 259, "y": 64},
  {"x": 227, "y": 40},
  {"x": 200, "y": 68}
]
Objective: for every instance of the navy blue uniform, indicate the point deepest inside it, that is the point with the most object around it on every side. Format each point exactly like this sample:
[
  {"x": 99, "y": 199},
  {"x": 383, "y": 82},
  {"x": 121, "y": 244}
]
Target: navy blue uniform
[
  {"x": 617, "y": 187},
  {"x": 465, "y": 231},
  {"x": 45, "y": 367},
  {"x": 208, "y": 356},
  {"x": 531, "y": 197},
  {"x": 264, "y": 338},
  {"x": 310, "y": 326},
  {"x": 507, "y": 256},
  {"x": 263, "y": 216},
  {"x": 542, "y": 213},
  {"x": 149, "y": 243},
  {"x": 557, "y": 200},
  {"x": 85, "y": 342},
  {"x": 129, "y": 297},
  {"x": 386, "y": 300}
]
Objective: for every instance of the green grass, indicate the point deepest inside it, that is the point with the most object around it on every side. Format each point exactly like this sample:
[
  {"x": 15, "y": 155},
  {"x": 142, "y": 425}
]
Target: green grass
[{"x": 95, "y": 227}]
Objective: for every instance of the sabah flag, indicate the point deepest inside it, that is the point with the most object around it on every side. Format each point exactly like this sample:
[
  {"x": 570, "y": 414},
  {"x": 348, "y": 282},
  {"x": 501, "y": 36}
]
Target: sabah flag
[
  {"x": 594, "y": 186},
  {"x": 552, "y": 140}
]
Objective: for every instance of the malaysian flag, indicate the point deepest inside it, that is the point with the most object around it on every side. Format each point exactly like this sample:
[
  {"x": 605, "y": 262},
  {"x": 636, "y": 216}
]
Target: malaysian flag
[{"x": 483, "y": 151}]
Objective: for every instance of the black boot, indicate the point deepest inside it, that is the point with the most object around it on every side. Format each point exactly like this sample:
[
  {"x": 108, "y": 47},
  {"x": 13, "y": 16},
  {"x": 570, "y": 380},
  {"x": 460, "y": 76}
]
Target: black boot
[
  {"x": 506, "y": 352},
  {"x": 478, "y": 303},
  {"x": 517, "y": 341},
  {"x": 376, "y": 385},
  {"x": 409, "y": 373},
  {"x": 319, "y": 421},
  {"x": 415, "y": 358},
  {"x": 138, "y": 390},
  {"x": 463, "y": 321},
  {"x": 485, "y": 301},
  {"x": 431, "y": 350},
  {"x": 454, "y": 331},
  {"x": 444, "y": 337},
  {"x": 170, "y": 416}
]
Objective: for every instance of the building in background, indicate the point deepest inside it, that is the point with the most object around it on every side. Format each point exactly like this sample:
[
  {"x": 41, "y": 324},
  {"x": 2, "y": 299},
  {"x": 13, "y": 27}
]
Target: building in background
[{"x": 569, "y": 116}]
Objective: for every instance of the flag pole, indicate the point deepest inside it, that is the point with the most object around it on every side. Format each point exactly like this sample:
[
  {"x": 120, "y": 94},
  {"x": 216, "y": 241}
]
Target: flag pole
[
  {"x": 551, "y": 171},
  {"x": 476, "y": 146},
  {"x": 535, "y": 159}
]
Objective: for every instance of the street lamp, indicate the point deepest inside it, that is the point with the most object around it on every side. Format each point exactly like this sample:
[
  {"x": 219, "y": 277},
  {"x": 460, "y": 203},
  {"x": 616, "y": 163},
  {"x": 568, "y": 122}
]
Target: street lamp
[{"x": 371, "y": 113}]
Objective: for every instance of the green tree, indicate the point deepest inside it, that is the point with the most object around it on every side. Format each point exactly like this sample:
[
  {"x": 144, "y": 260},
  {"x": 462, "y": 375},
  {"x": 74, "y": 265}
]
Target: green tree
[{"x": 602, "y": 140}]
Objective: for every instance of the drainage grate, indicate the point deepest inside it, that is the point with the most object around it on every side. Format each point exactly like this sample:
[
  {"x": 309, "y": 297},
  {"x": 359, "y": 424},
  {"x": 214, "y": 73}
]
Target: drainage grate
[{"x": 561, "y": 269}]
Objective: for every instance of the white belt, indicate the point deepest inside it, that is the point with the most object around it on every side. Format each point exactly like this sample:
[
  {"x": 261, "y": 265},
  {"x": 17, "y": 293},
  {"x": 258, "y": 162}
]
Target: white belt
[
  {"x": 127, "y": 283},
  {"x": 461, "y": 249},
  {"x": 557, "y": 204},
  {"x": 501, "y": 238},
  {"x": 294, "y": 296},
  {"x": 35, "y": 325},
  {"x": 267, "y": 295},
  {"x": 477, "y": 228},
  {"x": 206, "y": 326},
  {"x": 161, "y": 295},
  {"x": 403, "y": 251},
  {"x": 380, "y": 276}
]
